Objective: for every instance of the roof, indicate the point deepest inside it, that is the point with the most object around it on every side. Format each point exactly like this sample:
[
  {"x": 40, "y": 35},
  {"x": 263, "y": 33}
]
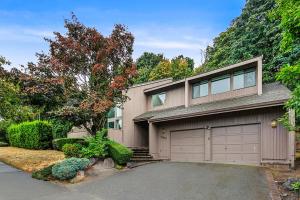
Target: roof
[
  {"x": 151, "y": 82},
  {"x": 274, "y": 94},
  {"x": 164, "y": 86}
]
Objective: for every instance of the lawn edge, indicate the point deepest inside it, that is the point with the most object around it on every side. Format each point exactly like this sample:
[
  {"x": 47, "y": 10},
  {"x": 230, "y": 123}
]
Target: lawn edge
[{"x": 274, "y": 191}]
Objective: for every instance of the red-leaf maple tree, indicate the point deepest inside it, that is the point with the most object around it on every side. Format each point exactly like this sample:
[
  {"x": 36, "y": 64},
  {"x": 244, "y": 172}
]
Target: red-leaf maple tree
[{"x": 92, "y": 69}]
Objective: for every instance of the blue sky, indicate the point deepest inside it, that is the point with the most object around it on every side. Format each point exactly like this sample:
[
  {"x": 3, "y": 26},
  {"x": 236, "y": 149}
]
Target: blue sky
[{"x": 171, "y": 27}]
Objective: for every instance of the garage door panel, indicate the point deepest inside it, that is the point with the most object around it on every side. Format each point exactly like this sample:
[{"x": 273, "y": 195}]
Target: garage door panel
[
  {"x": 234, "y": 148},
  {"x": 187, "y": 146},
  {"x": 218, "y": 139},
  {"x": 234, "y": 139},
  {"x": 187, "y": 141},
  {"x": 218, "y": 149},
  {"x": 187, "y": 157},
  {"x": 241, "y": 144},
  {"x": 188, "y": 149},
  {"x": 251, "y": 148},
  {"x": 250, "y": 139},
  {"x": 252, "y": 128}
]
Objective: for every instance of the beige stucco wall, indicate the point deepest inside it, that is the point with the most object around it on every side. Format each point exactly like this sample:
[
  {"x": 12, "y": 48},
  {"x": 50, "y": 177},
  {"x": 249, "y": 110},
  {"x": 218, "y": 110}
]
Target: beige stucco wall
[
  {"x": 174, "y": 97},
  {"x": 274, "y": 141}
]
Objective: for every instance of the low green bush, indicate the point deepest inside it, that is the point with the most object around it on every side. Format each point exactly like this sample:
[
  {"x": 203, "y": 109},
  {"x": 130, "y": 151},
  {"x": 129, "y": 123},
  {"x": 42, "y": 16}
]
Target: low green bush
[
  {"x": 97, "y": 147},
  {"x": 72, "y": 150},
  {"x": 119, "y": 153},
  {"x": 60, "y": 128},
  {"x": 30, "y": 135},
  {"x": 59, "y": 143},
  {"x": 4, "y": 124},
  {"x": 68, "y": 168},
  {"x": 4, "y": 144},
  {"x": 43, "y": 174}
]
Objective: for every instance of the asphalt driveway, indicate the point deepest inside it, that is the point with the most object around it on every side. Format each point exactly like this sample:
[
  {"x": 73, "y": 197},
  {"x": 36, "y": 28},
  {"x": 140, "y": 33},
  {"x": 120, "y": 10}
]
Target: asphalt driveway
[{"x": 165, "y": 181}]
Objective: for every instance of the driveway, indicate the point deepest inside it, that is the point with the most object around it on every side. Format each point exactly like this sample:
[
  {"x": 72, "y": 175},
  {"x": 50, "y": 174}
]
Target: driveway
[{"x": 165, "y": 181}]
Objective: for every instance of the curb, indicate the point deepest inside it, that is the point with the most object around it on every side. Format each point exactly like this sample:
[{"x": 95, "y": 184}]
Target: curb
[{"x": 274, "y": 192}]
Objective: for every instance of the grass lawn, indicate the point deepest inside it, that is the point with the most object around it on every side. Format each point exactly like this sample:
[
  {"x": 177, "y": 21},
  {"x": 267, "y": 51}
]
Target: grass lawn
[{"x": 29, "y": 160}]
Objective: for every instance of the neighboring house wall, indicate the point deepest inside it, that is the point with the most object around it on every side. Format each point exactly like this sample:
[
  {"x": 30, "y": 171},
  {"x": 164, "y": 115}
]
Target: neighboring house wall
[
  {"x": 273, "y": 141},
  {"x": 174, "y": 97}
]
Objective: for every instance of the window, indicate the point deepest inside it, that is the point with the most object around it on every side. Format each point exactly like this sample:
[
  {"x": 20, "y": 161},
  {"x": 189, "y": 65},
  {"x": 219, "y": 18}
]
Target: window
[
  {"x": 114, "y": 118},
  {"x": 220, "y": 84},
  {"x": 200, "y": 89},
  {"x": 158, "y": 99},
  {"x": 243, "y": 79}
]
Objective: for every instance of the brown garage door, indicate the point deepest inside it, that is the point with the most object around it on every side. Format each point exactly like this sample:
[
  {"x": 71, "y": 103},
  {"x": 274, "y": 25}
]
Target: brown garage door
[
  {"x": 236, "y": 144},
  {"x": 187, "y": 145}
]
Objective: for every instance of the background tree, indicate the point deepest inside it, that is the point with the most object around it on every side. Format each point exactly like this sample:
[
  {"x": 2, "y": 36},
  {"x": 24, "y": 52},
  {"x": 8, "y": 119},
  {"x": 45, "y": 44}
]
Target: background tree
[
  {"x": 91, "y": 70},
  {"x": 251, "y": 34},
  {"x": 145, "y": 63},
  {"x": 190, "y": 61},
  {"x": 162, "y": 70}
]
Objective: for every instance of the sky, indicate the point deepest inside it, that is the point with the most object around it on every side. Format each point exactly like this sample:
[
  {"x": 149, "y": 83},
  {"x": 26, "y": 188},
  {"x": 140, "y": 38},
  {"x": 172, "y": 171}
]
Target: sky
[{"x": 171, "y": 27}]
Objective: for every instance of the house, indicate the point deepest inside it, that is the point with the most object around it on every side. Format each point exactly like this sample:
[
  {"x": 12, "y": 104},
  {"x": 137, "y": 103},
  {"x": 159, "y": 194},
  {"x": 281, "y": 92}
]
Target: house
[{"x": 223, "y": 116}]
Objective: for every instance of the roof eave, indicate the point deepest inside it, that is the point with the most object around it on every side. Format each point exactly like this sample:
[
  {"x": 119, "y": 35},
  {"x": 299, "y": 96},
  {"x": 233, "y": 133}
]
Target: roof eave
[{"x": 218, "y": 111}]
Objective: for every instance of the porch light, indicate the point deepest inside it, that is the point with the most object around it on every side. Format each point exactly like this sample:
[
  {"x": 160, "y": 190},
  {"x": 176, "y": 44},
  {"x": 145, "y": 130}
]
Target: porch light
[{"x": 274, "y": 123}]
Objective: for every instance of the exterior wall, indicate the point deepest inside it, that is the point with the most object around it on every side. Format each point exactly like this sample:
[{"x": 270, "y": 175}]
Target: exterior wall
[
  {"x": 174, "y": 97},
  {"x": 115, "y": 135},
  {"x": 136, "y": 105},
  {"x": 274, "y": 141},
  {"x": 226, "y": 95},
  {"x": 78, "y": 132}
]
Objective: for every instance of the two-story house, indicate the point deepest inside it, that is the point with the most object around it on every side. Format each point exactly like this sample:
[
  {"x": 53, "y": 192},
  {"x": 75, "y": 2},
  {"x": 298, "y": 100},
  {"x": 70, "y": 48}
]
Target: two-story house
[{"x": 223, "y": 116}]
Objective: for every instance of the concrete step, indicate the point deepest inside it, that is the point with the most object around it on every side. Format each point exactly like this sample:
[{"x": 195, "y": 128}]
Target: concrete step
[
  {"x": 143, "y": 159},
  {"x": 141, "y": 156}
]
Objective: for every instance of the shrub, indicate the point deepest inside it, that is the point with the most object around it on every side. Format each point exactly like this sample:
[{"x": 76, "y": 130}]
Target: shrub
[
  {"x": 97, "y": 147},
  {"x": 60, "y": 128},
  {"x": 119, "y": 153},
  {"x": 43, "y": 174},
  {"x": 3, "y": 144},
  {"x": 30, "y": 135},
  {"x": 72, "y": 150},
  {"x": 4, "y": 124},
  {"x": 59, "y": 143},
  {"x": 68, "y": 168}
]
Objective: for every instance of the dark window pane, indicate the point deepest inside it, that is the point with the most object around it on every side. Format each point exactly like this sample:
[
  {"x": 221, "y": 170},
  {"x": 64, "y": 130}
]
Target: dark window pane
[
  {"x": 111, "y": 113},
  {"x": 111, "y": 125},
  {"x": 158, "y": 99}
]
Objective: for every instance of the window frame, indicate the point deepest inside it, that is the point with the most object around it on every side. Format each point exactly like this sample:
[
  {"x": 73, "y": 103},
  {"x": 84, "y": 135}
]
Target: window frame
[
  {"x": 161, "y": 93},
  {"x": 115, "y": 119},
  {"x": 220, "y": 78},
  {"x": 244, "y": 72},
  {"x": 199, "y": 84}
]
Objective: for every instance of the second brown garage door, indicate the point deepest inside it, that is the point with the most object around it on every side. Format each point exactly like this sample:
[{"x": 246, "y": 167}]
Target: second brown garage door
[
  {"x": 187, "y": 145},
  {"x": 236, "y": 144}
]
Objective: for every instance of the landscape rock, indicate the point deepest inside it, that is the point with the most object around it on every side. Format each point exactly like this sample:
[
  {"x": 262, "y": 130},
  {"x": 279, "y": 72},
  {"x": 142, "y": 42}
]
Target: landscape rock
[
  {"x": 108, "y": 163},
  {"x": 78, "y": 178},
  {"x": 288, "y": 183}
]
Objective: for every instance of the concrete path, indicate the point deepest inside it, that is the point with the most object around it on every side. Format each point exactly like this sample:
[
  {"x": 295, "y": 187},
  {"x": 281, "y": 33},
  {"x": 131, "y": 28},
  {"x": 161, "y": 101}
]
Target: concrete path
[{"x": 165, "y": 181}]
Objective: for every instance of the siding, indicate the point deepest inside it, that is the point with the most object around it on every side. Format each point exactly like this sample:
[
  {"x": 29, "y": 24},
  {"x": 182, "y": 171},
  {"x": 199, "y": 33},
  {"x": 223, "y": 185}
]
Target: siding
[
  {"x": 273, "y": 140},
  {"x": 174, "y": 97}
]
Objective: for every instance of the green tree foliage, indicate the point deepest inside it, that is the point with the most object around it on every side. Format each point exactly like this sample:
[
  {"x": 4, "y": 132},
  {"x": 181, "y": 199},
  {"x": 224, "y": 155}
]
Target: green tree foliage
[
  {"x": 178, "y": 68},
  {"x": 145, "y": 63},
  {"x": 251, "y": 34}
]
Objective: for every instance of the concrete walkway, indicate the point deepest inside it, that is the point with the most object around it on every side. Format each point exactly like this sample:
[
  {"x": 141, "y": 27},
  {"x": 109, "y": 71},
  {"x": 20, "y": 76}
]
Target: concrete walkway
[{"x": 165, "y": 181}]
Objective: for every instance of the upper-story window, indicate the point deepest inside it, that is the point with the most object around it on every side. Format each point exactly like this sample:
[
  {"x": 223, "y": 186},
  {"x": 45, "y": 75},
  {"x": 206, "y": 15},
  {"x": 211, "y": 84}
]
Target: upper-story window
[
  {"x": 114, "y": 118},
  {"x": 200, "y": 89},
  {"x": 220, "y": 84},
  {"x": 243, "y": 79},
  {"x": 158, "y": 99}
]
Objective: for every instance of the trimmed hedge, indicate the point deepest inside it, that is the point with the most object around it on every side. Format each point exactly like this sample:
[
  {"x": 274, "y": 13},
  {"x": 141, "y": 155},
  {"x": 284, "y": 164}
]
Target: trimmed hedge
[
  {"x": 59, "y": 143},
  {"x": 72, "y": 150},
  {"x": 68, "y": 168},
  {"x": 30, "y": 135},
  {"x": 4, "y": 124},
  {"x": 119, "y": 153}
]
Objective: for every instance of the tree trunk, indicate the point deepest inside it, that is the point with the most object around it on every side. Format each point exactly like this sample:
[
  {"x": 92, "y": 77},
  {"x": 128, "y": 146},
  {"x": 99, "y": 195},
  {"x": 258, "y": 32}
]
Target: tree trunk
[{"x": 98, "y": 123}]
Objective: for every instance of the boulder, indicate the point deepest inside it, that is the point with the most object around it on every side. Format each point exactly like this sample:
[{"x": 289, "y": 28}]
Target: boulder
[
  {"x": 108, "y": 163},
  {"x": 78, "y": 178}
]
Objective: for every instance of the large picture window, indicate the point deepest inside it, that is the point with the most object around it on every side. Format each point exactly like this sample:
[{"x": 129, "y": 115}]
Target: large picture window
[
  {"x": 158, "y": 99},
  {"x": 220, "y": 84},
  {"x": 114, "y": 118},
  {"x": 243, "y": 79},
  {"x": 200, "y": 89}
]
